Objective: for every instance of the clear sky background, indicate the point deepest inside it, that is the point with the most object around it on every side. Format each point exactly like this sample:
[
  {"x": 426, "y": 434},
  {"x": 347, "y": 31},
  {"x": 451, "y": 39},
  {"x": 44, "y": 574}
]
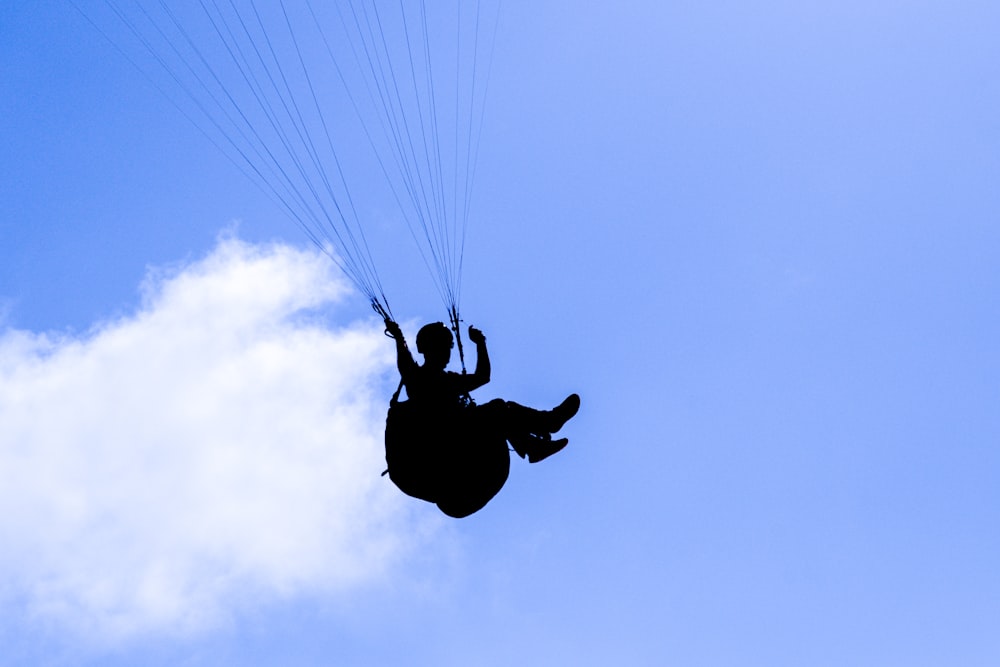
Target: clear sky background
[{"x": 760, "y": 239}]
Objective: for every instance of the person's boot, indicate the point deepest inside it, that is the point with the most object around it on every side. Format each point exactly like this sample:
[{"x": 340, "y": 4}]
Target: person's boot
[
  {"x": 545, "y": 448},
  {"x": 535, "y": 447},
  {"x": 563, "y": 412}
]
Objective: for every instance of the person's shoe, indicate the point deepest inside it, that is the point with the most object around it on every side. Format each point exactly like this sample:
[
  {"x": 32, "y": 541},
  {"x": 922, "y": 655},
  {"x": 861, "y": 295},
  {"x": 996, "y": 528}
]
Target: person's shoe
[
  {"x": 563, "y": 412},
  {"x": 543, "y": 449}
]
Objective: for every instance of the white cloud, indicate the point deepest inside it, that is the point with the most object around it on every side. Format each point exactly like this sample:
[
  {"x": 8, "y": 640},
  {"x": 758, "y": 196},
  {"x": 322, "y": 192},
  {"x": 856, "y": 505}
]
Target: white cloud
[{"x": 219, "y": 446}]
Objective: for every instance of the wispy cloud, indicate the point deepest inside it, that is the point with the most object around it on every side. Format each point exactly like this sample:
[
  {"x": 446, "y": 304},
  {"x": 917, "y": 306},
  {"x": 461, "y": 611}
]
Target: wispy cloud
[{"x": 219, "y": 445}]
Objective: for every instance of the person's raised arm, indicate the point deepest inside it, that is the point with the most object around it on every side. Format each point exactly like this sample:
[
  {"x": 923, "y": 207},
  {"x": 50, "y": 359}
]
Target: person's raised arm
[
  {"x": 404, "y": 360},
  {"x": 481, "y": 375}
]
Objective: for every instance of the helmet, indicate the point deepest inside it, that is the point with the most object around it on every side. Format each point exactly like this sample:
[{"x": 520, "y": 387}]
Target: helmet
[{"x": 435, "y": 335}]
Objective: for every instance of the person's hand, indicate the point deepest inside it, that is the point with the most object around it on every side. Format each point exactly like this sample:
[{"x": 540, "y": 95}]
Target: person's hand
[
  {"x": 393, "y": 330},
  {"x": 476, "y": 336}
]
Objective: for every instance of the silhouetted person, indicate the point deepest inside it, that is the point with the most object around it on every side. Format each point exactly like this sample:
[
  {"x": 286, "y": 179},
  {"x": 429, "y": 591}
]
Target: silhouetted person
[{"x": 439, "y": 406}]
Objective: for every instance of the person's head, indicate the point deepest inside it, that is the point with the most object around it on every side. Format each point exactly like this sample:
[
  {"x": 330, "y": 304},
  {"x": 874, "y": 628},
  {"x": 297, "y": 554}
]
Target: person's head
[{"x": 435, "y": 341}]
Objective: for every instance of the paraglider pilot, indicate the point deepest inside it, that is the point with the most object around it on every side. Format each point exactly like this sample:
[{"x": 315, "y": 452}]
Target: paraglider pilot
[{"x": 445, "y": 394}]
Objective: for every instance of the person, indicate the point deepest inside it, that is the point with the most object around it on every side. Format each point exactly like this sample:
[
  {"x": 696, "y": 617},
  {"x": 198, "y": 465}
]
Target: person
[{"x": 443, "y": 396}]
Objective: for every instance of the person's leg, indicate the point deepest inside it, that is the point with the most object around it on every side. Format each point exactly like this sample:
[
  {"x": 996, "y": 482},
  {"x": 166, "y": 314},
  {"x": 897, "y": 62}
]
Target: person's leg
[
  {"x": 535, "y": 447},
  {"x": 524, "y": 419},
  {"x": 528, "y": 430}
]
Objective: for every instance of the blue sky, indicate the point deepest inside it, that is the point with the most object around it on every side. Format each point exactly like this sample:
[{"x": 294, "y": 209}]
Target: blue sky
[{"x": 759, "y": 239}]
